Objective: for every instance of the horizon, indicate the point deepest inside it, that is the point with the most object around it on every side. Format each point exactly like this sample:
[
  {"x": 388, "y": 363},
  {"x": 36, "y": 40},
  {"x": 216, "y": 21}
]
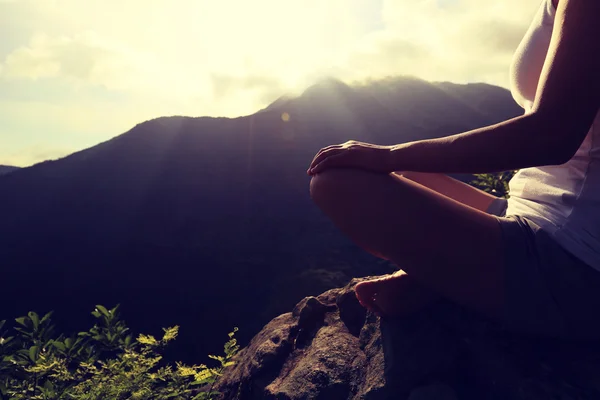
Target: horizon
[{"x": 74, "y": 75}]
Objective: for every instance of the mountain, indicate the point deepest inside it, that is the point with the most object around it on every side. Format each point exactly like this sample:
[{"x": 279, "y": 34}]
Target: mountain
[
  {"x": 5, "y": 169},
  {"x": 181, "y": 219}
]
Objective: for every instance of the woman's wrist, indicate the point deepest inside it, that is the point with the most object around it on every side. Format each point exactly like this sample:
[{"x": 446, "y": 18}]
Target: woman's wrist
[{"x": 394, "y": 160}]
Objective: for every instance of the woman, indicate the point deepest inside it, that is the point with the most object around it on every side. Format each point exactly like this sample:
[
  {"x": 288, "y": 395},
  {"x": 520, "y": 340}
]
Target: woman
[{"x": 535, "y": 266}]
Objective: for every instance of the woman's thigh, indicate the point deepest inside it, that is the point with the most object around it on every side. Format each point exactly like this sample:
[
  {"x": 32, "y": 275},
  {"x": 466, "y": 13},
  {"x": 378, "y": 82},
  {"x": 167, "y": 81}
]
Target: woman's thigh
[
  {"x": 452, "y": 248},
  {"x": 453, "y": 188}
]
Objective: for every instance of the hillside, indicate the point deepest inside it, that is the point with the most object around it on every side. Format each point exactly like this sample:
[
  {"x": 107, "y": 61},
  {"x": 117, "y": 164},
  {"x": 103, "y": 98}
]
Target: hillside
[
  {"x": 5, "y": 169},
  {"x": 182, "y": 220}
]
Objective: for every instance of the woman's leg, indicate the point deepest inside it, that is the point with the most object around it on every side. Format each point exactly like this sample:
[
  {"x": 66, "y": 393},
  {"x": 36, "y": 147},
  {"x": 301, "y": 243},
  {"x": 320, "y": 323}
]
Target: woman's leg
[
  {"x": 399, "y": 292},
  {"x": 449, "y": 187},
  {"x": 453, "y": 188},
  {"x": 448, "y": 247}
]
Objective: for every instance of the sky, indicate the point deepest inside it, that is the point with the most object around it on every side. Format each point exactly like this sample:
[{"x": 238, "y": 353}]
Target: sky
[{"x": 74, "y": 73}]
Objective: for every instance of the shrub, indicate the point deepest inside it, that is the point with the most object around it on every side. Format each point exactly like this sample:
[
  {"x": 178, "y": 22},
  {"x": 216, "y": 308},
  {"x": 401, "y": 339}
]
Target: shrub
[
  {"x": 494, "y": 183},
  {"x": 104, "y": 362}
]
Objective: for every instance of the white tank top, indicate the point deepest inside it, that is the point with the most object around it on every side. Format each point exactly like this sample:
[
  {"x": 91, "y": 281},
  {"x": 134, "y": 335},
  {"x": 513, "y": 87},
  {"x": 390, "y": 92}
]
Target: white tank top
[{"x": 564, "y": 200}]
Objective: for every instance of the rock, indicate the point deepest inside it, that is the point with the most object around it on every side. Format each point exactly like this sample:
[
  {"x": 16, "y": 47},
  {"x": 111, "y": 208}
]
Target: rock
[
  {"x": 330, "y": 348},
  {"x": 351, "y": 312}
]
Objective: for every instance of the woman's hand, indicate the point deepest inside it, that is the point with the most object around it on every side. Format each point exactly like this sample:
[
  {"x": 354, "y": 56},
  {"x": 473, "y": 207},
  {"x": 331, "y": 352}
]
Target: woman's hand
[{"x": 353, "y": 154}]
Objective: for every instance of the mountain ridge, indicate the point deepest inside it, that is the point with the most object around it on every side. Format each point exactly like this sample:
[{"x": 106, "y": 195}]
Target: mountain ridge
[{"x": 179, "y": 218}]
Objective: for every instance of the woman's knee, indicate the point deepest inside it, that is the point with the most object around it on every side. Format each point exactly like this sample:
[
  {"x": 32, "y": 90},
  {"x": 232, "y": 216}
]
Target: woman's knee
[
  {"x": 343, "y": 183},
  {"x": 326, "y": 184}
]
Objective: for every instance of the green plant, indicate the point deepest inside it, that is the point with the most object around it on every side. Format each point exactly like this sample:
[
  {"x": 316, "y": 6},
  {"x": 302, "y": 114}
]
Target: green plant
[
  {"x": 104, "y": 362},
  {"x": 494, "y": 183}
]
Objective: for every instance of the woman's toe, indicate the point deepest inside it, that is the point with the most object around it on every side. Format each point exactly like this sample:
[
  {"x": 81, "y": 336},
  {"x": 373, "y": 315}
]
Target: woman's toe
[{"x": 365, "y": 293}]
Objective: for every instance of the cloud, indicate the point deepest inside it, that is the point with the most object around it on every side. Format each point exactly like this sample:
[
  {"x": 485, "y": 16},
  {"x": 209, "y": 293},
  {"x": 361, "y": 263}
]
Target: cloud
[
  {"x": 464, "y": 41},
  {"x": 90, "y": 70},
  {"x": 267, "y": 87},
  {"x": 186, "y": 48},
  {"x": 84, "y": 58}
]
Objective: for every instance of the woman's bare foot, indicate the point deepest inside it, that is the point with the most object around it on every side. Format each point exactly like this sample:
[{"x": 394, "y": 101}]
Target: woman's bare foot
[{"x": 394, "y": 295}]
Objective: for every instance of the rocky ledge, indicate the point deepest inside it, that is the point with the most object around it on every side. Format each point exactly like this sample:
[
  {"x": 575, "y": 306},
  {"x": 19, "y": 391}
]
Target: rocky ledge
[{"x": 330, "y": 348}]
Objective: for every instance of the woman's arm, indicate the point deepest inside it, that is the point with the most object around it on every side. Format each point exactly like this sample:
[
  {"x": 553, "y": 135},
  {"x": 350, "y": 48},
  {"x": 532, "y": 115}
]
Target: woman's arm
[{"x": 567, "y": 100}]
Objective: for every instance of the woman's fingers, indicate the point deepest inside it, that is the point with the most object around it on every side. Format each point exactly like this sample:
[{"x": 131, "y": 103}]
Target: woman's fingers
[
  {"x": 322, "y": 158},
  {"x": 333, "y": 146},
  {"x": 330, "y": 150},
  {"x": 336, "y": 160},
  {"x": 318, "y": 156},
  {"x": 324, "y": 154}
]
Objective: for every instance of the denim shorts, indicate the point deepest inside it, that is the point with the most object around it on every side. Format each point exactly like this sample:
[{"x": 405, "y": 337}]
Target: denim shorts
[{"x": 549, "y": 290}]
